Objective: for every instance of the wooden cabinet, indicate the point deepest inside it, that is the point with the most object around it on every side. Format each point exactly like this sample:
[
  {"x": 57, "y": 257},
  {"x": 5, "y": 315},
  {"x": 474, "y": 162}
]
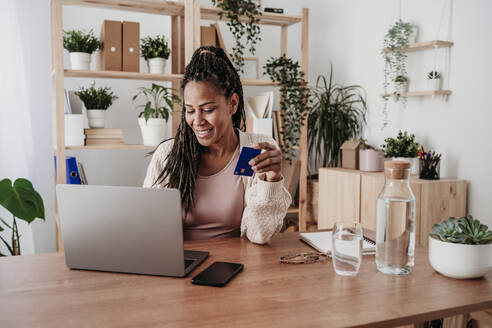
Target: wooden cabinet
[{"x": 352, "y": 195}]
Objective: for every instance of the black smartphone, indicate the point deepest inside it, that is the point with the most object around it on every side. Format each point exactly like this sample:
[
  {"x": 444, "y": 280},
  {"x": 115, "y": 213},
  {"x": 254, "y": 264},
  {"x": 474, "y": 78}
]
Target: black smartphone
[{"x": 217, "y": 274}]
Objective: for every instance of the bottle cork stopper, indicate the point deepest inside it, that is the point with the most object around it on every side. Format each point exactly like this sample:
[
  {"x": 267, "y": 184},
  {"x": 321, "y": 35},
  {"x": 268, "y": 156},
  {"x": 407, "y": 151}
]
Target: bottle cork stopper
[{"x": 396, "y": 170}]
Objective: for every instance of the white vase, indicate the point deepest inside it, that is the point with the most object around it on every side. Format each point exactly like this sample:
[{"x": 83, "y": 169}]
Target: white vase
[
  {"x": 435, "y": 84},
  {"x": 153, "y": 131},
  {"x": 80, "y": 60},
  {"x": 96, "y": 118},
  {"x": 458, "y": 260},
  {"x": 414, "y": 163},
  {"x": 156, "y": 65}
]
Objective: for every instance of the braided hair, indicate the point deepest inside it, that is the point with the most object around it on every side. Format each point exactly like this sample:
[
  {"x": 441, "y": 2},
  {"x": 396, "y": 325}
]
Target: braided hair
[{"x": 208, "y": 64}]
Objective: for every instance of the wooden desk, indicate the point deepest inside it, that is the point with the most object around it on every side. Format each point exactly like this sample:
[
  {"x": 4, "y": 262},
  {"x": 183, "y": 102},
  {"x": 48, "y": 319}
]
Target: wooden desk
[{"x": 40, "y": 291}]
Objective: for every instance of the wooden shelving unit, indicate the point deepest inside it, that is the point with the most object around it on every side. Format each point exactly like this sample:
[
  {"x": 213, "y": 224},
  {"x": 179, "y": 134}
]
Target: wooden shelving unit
[
  {"x": 427, "y": 45},
  {"x": 185, "y": 38},
  {"x": 420, "y": 93}
]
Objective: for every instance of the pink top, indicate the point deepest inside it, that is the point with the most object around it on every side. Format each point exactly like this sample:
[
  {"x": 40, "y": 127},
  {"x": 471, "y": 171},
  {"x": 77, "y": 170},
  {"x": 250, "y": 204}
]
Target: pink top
[{"x": 219, "y": 204}]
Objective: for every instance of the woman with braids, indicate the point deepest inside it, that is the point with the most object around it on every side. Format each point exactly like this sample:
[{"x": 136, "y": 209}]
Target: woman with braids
[{"x": 201, "y": 158}]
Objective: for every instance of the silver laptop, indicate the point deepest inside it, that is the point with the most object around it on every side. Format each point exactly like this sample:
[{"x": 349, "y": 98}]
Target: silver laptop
[{"x": 124, "y": 229}]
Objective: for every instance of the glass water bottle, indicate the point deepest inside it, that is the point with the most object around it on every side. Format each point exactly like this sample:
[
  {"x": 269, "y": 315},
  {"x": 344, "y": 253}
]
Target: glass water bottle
[{"x": 395, "y": 230}]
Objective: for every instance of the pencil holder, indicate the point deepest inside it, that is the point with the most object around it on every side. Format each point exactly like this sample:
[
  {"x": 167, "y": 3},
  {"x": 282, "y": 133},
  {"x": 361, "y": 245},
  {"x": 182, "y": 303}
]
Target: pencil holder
[{"x": 429, "y": 170}]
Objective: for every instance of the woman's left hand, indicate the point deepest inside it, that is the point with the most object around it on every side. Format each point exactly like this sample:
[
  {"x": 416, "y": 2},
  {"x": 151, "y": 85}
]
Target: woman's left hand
[{"x": 268, "y": 162}]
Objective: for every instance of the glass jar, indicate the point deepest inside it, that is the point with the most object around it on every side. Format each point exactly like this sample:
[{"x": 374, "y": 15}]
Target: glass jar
[{"x": 395, "y": 229}]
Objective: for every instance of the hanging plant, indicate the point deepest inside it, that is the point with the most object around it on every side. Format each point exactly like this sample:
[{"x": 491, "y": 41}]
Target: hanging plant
[
  {"x": 294, "y": 101},
  {"x": 233, "y": 10},
  {"x": 395, "y": 44}
]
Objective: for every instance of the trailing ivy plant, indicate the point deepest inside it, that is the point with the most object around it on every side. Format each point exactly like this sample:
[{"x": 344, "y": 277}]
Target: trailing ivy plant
[
  {"x": 233, "y": 10},
  {"x": 100, "y": 98},
  {"x": 294, "y": 101},
  {"x": 80, "y": 41},
  {"x": 337, "y": 114},
  {"x": 395, "y": 43}
]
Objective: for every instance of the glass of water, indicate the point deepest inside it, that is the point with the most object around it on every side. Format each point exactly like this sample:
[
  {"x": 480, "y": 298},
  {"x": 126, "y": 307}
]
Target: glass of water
[{"x": 346, "y": 248}]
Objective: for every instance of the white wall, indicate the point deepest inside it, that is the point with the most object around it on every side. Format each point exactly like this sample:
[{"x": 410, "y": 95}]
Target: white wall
[{"x": 348, "y": 34}]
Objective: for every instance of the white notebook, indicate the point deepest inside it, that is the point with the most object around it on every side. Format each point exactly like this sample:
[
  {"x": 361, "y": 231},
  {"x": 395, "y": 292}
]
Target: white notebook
[{"x": 321, "y": 241}]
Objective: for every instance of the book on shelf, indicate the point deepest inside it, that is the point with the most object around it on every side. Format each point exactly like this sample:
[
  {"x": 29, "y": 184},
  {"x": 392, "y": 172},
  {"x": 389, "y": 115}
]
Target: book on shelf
[
  {"x": 103, "y": 142},
  {"x": 83, "y": 179},
  {"x": 73, "y": 176},
  {"x": 104, "y": 131}
]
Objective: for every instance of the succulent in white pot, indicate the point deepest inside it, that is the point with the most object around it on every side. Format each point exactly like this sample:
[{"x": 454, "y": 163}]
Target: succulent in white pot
[
  {"x": 96, "y": 101},
  {"x": 155, "y": 51},
  {"x": 80, "y": 45},
  {"x": 434, "y": 78},
  {"x": 156, "y": 111},
  {"x": 403, "y": 148},
  {"x": 460, "y": 248}
]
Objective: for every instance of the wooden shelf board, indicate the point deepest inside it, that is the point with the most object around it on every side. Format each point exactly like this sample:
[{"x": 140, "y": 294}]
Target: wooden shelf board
[
  {"x": 122, "y": 75},
  {"x": 421, "y": 93},
  {"x": 132, "y": 147},
  {"x": 427, "y": 45},
  {"x": 171, "y": 8}
]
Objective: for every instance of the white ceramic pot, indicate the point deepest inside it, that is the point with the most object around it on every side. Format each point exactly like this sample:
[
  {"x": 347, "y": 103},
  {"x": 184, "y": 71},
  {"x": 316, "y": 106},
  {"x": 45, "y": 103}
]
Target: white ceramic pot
[
  {"x": 371, "y": 160},
  {"x": 74, "y": 130},
  {"x": 96, "y": 118},
  {"x": 414, "y": 162},
  {"x": 458, "y": 260},
  {"x": 413, "y": 37},
  {"x": 80, "y": 60},
  {"x": 153, "y": 131},
  {"x": 156, "y": 65},
  {"x": 435, "y": 84}
]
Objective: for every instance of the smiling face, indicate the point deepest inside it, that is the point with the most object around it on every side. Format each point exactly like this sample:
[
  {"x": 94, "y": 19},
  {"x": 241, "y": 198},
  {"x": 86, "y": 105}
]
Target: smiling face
[{"x": 209, "y": 113}]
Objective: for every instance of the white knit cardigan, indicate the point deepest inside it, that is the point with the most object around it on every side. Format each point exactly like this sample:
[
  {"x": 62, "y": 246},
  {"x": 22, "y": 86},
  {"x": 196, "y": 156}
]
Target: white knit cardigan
[{"x": 265, "y": 203}]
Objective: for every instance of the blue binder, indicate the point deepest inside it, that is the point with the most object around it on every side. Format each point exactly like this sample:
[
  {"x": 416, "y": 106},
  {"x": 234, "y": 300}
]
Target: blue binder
[{"x": 73, "y": 176}]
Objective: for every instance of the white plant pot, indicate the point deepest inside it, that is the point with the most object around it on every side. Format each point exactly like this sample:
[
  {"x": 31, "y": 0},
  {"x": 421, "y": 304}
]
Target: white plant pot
[
  {"x": 458, "y": 260},
  {"x": 157, "y": 65},
  {"x": 414, "y": 162},
  {"x": 96, "y": 118},
  {"x": 371, "y": 160},
  {"x": 413, "y": 37},
  {"x": 435, "y": 84},
  {"x": 80, "y": 60},
  {"x": 74, "y": 130},
  {"x": 153, "y": 131}
]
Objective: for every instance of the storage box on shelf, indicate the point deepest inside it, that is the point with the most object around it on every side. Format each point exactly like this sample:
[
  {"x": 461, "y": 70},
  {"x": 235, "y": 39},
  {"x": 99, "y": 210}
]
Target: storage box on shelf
[{"x": 352, "y": 195}]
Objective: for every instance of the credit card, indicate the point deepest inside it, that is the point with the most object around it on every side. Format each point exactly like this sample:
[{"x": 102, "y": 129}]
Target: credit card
[{"x": 247, "y": 154}]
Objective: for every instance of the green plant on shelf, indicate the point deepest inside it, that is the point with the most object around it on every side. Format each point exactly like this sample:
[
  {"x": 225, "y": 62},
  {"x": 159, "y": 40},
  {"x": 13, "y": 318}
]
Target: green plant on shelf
[
  {"x": 404, "y": 145},
  {"x": 465, "y": 230},
  {"x": 295, "y": 99},
  {"x": 433, "y": 75},
  {"x": 401, "y": 79},
  {"x": 154, "y": 47},
  {"x": 24, "y": 203},
  {"x": 336, "y": 115},
  {"x": 96, "y": 98},
  {"x": 233, "y": 10},
  {"x": 159, "y": 101},
  {"x": 80, "y": 41},
  {"x": 395, "y": 44}
]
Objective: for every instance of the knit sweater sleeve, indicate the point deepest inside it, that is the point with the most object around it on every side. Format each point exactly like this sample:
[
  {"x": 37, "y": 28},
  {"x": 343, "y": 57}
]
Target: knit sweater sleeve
[
  {"x": 266, "y": 205},
  {"x": 157, "y": 164}
]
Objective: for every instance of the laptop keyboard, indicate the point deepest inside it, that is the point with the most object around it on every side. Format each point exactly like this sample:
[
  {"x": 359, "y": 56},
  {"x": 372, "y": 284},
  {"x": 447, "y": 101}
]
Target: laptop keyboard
[{"x": 188, "y": 262}]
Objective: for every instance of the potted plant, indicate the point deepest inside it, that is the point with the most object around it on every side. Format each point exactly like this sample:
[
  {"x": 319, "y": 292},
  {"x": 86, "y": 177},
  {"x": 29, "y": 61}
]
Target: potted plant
[
  {"x": 395, "y": 44},
  {"x": 235, "y": 11},
  {"x": 370, "y": 158},
  {"x": 24, "y": 203},
  {"x": 156, "y": 52},
  {"x": 402, "y": 82},
  {"x": 158, "y": 106},
  {"x": 434, "y": 78},
  {"x": 460, "y": 248},
  {"x": 96, "y": 101},
  {"x": 294, "y": 100},
  {"x": 336, "y": 115},
  {"x": 403, "y": 148},
  {"x": 80, "y": 45}
]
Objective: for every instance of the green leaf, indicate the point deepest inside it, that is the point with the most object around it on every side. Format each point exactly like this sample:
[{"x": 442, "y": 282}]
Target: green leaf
[{"x": 21, "y": 199}]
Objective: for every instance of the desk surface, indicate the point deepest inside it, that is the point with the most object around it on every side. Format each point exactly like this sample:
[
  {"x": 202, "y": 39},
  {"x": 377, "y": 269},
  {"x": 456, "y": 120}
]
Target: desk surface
[{"x": 39, "y": 290}]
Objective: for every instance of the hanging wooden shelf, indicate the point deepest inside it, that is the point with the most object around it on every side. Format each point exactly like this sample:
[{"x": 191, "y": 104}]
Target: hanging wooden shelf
[
  {"x": 428, "y": 45},
  {"x": 420, "y": 93},
  {"x": 121, "y": 147},
  {"x": 171, "y": 8}
]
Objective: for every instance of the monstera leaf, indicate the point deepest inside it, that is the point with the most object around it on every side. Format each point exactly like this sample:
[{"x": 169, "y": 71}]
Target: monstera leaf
[{"x": 21, "y": 199}]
